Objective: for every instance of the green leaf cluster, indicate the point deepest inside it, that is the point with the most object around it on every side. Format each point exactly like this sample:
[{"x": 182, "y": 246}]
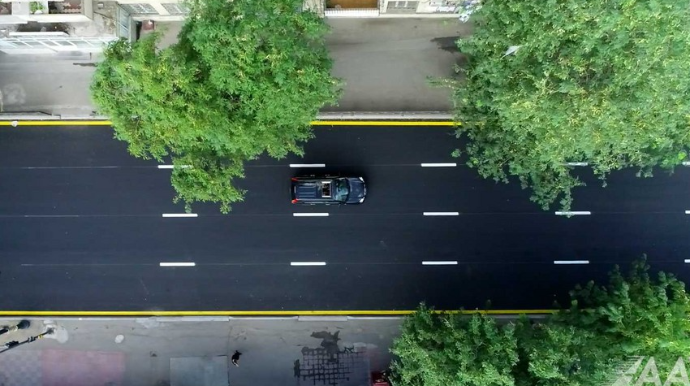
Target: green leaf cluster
[
  {"x": 603, "y": 82},
  {"x": 245, "y": 78},
  {"x": 580, "y": 346}
]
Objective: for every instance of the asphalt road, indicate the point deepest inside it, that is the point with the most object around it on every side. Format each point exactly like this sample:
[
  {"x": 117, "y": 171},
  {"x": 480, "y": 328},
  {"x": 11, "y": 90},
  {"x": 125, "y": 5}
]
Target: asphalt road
[{"x": 82, "y": 228}]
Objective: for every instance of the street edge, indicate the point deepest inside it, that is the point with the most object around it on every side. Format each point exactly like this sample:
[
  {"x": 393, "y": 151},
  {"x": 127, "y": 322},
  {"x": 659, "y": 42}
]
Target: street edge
[
  {"x": 426, "y": 118},
  {"x": 352, "y": 313}
]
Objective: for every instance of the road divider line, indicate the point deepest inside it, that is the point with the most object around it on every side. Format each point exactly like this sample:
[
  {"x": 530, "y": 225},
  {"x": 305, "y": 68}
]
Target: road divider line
[
  {"x": 307, "y": 263},
  {"x": 686, "y": 163},
  {"x": 167, "y": 215},
  {"x": 577, "y": 164},
  {"x": 177, "y": 264},
  {"x": 564, "y": 262},
  {"x": 439, "y": 165},
  {"x": 441, "y": 213},
  {"x": 574, "y": 213},
  {"x": 687, "y": 212},
  {"x": 439, "y": 263},
  {"x": 310, "y": 214},
  {"x": 307, "y": 165},
  {"x": 173, "y": 166},
  {"x": 687, "y": 260}
]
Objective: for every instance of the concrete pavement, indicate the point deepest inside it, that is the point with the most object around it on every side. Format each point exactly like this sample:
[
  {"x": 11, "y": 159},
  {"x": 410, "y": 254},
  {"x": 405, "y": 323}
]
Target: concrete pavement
[
  {"x": 133, "y": 352},
  {"x": 385, "y": 64}
]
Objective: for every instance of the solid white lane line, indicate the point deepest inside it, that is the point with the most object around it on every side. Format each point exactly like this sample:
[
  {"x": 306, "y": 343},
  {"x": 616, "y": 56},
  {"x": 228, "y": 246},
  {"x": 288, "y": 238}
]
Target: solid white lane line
[
  {"x": 574, "y": 213},
  {"x": 173, "y": 166},
  {"x": 176, "y": 264},
  {"x": 576, "y": 163},
  {"x": 562, "y": 262},
  {"x": 180, "y": 215},
  {"x": 686, "y": 163},
  {"x": 307, "y": 165},
  {"x": 439, "y": 165},
  {"x": 310, "y": 214},
  {"x": 441, "y": 213},
  {"x": 687, "y": 260},
  {"x": 439, "y": 263},
  {"x": 687, "y": 212},
  {"x": 307, "y": 263}
]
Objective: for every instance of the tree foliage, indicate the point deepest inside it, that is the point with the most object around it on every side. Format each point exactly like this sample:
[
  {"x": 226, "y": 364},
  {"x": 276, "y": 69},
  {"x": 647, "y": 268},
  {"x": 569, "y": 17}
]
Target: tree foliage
[
  {"x": 584, "y": 345},
  {"x": 245, "y": 78},
  {"x": 551, "y": 82},
  {"x": 452, "y": 350},
  {"x": 639, "y": 315}
]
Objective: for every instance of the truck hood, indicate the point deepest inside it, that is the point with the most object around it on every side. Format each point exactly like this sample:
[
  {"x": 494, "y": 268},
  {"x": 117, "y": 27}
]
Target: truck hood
[{"x": 358, "y": 190}]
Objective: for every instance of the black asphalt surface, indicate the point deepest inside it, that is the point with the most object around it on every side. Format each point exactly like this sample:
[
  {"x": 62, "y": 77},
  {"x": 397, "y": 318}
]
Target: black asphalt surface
[{"x": 81, "y": 229}]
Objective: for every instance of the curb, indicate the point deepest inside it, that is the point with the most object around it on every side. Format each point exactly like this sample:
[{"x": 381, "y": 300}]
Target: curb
[
  {"x": 303, "y": 315},
  {"x": 327, "y": 116}
]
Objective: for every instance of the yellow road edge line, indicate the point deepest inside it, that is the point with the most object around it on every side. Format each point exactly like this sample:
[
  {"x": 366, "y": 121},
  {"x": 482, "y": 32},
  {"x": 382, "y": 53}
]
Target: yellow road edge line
[
  {"x": 55, "y": 123},
  {"x": 383, "y": 123},
  {"x": 264, "y": 313},
  {"x": 313, "y": 123}
]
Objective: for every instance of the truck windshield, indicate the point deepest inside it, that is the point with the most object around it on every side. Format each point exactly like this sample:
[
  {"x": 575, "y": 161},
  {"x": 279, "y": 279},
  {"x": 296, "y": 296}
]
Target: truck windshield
[{"x": 342, "y": 190}]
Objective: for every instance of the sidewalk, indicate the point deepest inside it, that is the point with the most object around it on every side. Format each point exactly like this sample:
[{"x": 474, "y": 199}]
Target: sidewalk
[
  {"x": 384, "y": 63},
  {"x": 132, "y": 352}
]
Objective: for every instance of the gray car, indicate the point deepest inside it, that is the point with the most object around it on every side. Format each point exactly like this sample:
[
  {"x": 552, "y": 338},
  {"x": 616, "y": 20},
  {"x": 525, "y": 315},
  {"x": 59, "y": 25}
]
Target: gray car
[{"x": 328, "y": 190}]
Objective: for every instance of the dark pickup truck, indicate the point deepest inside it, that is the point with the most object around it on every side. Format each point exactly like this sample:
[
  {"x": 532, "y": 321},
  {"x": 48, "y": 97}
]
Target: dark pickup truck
[{"x": 328, "y": 190}]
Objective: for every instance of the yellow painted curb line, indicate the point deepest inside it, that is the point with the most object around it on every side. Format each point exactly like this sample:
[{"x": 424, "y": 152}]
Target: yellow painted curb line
[
  {"x": 383, "y": 123},
  {"x": 263, "y": 313},
  {"x": 313, "y": 123},
  {"x": 55, "y": 123}
]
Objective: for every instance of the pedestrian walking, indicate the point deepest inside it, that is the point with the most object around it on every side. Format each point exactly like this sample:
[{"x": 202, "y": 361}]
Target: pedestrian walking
[{"x": 235, "y": 358}]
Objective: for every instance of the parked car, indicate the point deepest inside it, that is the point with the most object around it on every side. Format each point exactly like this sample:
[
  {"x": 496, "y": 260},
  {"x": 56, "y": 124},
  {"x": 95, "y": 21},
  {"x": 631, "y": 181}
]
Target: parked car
[{"x": 328, "y": 190}]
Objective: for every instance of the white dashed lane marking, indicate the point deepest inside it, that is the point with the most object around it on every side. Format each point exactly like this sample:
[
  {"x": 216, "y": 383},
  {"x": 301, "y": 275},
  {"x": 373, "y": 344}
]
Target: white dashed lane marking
[
  {"x": 307, "y": 263},
  {"x": 177, "y": 264},
  {"x": 439, "y": 165}
]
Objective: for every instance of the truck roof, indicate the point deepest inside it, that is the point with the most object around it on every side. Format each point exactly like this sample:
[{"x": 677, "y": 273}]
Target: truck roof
[{"x": 313, "y": 189}]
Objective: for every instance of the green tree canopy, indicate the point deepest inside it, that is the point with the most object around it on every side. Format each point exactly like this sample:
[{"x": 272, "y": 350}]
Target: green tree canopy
[
  {"x": 555, "y": 81},
  {"x": 584, "y": 345},
  {"x": 453, "y": 350},
  {"x": 638, "y": 314},
  {"x": 245, "y": 78}
]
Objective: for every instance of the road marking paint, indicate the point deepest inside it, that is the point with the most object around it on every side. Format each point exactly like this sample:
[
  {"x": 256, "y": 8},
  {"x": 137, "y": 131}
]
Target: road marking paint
[
  {"x": 56, "y": 123},
  {"x": 173, "y": 166},
  {"x": 176, "y": 264},
  {"x": 180, "y": 215},
  {"x": 686, "y": 163},
  {"x": 562, "y": 262},
  {"x": 687, "y": 212},
  {"x": 577, "y": 164},
  {"x": 439, "y": 165},
  {"x": 687, "y": 260},
  {"x": 307, "y": 263},
  {"x": 441, "y": 213},
  {"x": 307, "y": 165},
  {"x": 574, "y": 213},
  {"x": 439, "y": 263},
  {"x": 106, "y": 122},
  {"x": 384, "y": 123},
  {"x": 310, "y": 214}
]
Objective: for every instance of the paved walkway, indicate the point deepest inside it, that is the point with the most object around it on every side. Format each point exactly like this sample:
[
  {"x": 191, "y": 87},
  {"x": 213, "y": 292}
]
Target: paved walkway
[
  {"x": 385, "y": 64},
  {"x": 132, "y": 352}
]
